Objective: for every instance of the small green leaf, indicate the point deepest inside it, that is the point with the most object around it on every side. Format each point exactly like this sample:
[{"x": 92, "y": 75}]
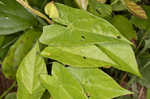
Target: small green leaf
[
  {"x": 99, "y": 9},
  {"x": 14, "y": 18},
  {"x": 124, "y": 26},
  {"x": 51, "y": 10},
  {"x": 29, "y": 86},
  {"x": 117, "y": 5},
  {"x": 18, "y": 51},
  {"x": 62, "y": 85}
]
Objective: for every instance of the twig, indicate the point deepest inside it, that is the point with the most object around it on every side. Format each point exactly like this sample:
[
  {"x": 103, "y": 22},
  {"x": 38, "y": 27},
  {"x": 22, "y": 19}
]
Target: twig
[
  {"x": 9, "y": 89},
  {"x": 140, "y": 93},
  {"x": 36, "y": 12}
]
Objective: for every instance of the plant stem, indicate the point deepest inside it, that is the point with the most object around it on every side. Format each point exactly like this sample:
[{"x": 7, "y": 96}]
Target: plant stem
[
  {"x": 36, "y": 12},
  {"x": 9, "y": 89},
  {"x": 140, "y": 93},
  {"x": 144, "y": 35},
  {"x": 131, "y": 81}
]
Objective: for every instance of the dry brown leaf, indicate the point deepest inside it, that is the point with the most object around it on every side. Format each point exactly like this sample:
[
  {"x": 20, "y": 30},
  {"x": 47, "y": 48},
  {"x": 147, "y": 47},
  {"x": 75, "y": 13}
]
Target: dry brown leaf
[{"x": 135, "y": 9}]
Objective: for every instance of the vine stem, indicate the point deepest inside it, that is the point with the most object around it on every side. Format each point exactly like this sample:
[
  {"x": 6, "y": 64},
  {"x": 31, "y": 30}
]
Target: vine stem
[
  {"x": 36, "y": 12},
  {"x": 144, "y": 35},
  {"x": 9, "y": 89}
]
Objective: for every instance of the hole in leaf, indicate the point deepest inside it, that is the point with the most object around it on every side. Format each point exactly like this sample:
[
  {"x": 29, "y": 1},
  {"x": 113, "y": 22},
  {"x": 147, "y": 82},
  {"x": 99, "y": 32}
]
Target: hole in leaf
[
  {"x": 83, "y": 37},
  {"x": 84, "y": 57},
  {"x": 118, "y": 37},
  {"x": 66, "y": 65},
  {"x": 88, "y": 95}
]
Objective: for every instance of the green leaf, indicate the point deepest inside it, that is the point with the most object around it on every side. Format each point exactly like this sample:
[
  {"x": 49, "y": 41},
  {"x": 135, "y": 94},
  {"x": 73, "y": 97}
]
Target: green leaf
[
  {"x": 70, "y": 83},
  {"x": 118, "y": 55},
  {"x": 62, "y": 85},
  {"x": 99, "y": 9},
  {"x": 97, "y": 84},
  {"x": 11, "y": 96},
  {"x": 124, "y": 26},
  {"x": 78, "y": 28},
  {"x": 82, "y": 3},
  {"x": 14, "y": 18},
  {"x": 142, "y": 23},
  {"x": 29, "y": 86},
  {"x": 117, "y": 5},
  {"x": 18, "y": 51}
]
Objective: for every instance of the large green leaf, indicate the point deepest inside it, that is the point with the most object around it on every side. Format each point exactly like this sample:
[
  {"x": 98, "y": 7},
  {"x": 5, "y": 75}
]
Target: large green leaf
[
  {"x": 68, "y": 83},
  {"x": 18, "y": 51},
  {"x": 79, "y": 27},
  {"x": 62, "y": 85},
  {"x": 124, "y": 26},
  {"x": 118, "y": 55},
  {"x": 29, "y": 86},
  {"x": 97, "y": 84},
  {"x": 13, "y": 17}
]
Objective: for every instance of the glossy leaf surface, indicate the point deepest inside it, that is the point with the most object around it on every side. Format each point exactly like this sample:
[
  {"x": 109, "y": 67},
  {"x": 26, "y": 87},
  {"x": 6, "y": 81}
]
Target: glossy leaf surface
[
  {"x": 18, "y": 51},
  {"x": 29, "y": 85},
  {"x": 14, "y": 18}
]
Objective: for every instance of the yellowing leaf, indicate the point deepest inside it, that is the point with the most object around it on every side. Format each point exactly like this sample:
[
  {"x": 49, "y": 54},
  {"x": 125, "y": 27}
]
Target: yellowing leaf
[
  {"x": 82, "y": 3},
  {"x": 135, "y": 9},
  {"x": 51, "y": 10}
]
